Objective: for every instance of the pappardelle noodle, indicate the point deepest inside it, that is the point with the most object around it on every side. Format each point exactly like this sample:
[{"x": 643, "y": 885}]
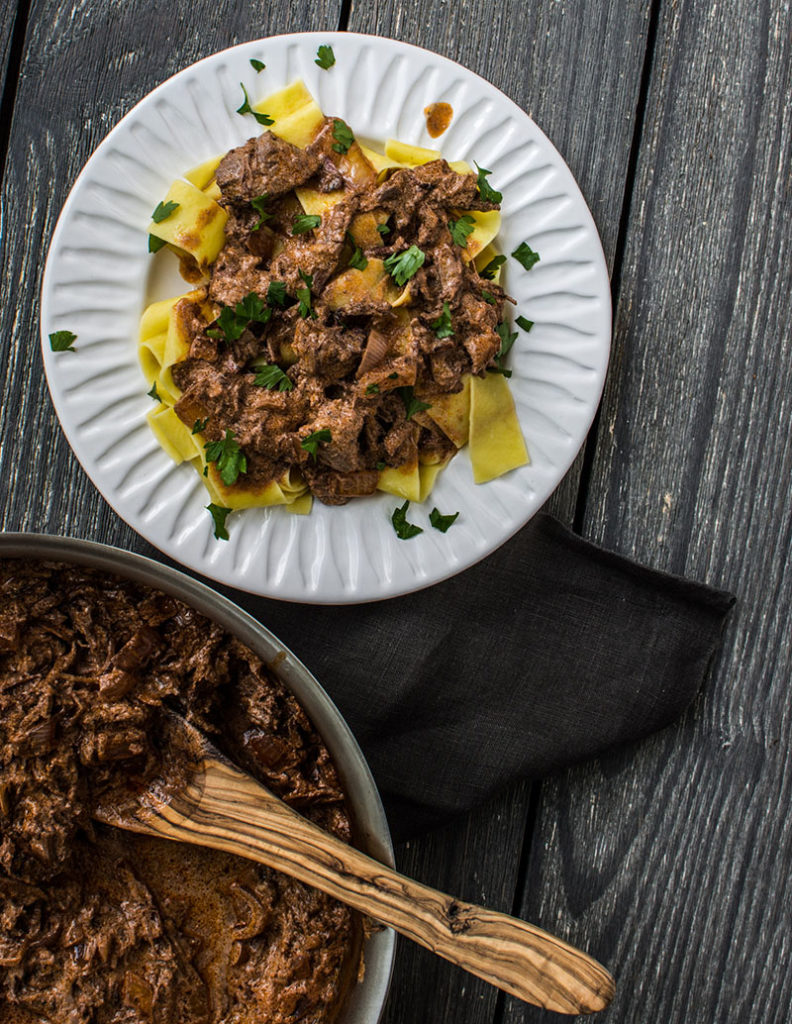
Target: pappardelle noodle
[{"x": 346, "y": 329}]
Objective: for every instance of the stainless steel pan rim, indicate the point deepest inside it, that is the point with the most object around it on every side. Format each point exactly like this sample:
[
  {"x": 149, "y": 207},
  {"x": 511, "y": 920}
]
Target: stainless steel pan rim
[{"x": 367, "y": 1000}]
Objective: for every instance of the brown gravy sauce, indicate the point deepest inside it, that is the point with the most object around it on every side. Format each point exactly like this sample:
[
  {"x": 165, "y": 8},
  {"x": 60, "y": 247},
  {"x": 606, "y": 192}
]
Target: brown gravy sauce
[{"x": 438, "y": 118}]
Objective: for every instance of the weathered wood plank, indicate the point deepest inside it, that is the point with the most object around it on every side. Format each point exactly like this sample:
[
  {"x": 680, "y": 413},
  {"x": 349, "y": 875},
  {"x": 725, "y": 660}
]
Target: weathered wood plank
[
  {"x": 8, "y": 17},
  {"x": 671, "y": 861},
  {"x": 106, "y": 57},
  {"x": 556, "y": 61}
]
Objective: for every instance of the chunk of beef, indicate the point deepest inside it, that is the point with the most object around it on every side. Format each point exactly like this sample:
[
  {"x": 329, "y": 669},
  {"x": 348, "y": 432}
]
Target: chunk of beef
[
  {"x": 264, "y": 165},
  {"x": 327, "y": 352},
  {"x": 315, "y": 252},
  {"x": 338, "y": 169},
  {"x": 334, "y": 488}
]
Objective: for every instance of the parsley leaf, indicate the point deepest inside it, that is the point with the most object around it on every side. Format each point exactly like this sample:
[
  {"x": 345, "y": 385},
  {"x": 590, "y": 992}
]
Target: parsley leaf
[
  {"x": 383, "y": 228},
  {"x": 491, "y": 269},
  {"x": 372, "y": 389},
  {"x": 276, "y": 294},
  {"x": 460, "y": 229},
  {"x": 440, "y": 522},
  {"x": 155, "y": 244},
  {"x": 442, "y": 325},
  {"x": 263, "y": 119},
  {"x": 306, "y": 222},
  {"x": 325, "y": 57},
  {"x": 154, "y": 393},
  {"x": 304, "y": 295},
  {"x": 199, "y": 426},
  {"x": 257, "y": 65},
  {"x": 524, "y": 254},
  {"x": 357, "y": 259},
  {"x": 259, "y": 203},
  {"x": 231, "y": 323},
  {"x": 251, "y": 308},
  {"x": 270, "y": 376},
  {"x": 219, "y": 514},
  {"x": 228, "y": 456},
  {"x": 62, "y": 341},
  {"x": 163, "y": 211},
  {"x": 381, "y": 465},
  {"x": 404, "y": 265},
  {"x": 486, "y": 191},
  {"x": 507, "y": 338},
  {"x": 229, "y": 326},
  {"x": 343, "y": 137},
  {"x": 412, "y": 405},
  {"x": 488, "y": 297},
  {"x": 524, "y": 322},
  {"x": 311, "y": 443},
  {"x": 404, "y": 530}
]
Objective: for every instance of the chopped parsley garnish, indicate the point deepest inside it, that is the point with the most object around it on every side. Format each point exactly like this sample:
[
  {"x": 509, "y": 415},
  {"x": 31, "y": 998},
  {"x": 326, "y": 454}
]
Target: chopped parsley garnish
[
  {"x": 343, "y": 136},
  {"x": 304, "y": 295},
  {"x": 507, "y": 338},
  {"x": 381, "y": 465},
  {"x": 219, "y": 514},
  {"x": 276, "y": 294},
  {"x": 257, "y": 65},
  {"x": 251, "y": 308},
  {"x": 440, "y": 522},
  {"x": 62, "y": 341},
  {"x": 231, "y": 323},
  {"x": 270, "y": 376},
  {"x": 404, "y": 530},
  {"x": 392, "y": 376},
  {"x": 325, "y": 57},
  {"x": 154, "y": 393},
  {"x": 372, "y": 389},
  {"x": 404, "y": 265},
  {"x": 524, "y": 254},
  {"x": 491, "y": 269},
  {"x": 155, "y": 244},
  {"x": 262, "y": 119},
  {"x": 357, "y": 259},
  {"x": 488, "y": 297},
  {"x": 524, "y": 322},
  {"x": 259, "y": 205},
  {"x": 442, "y": 325},
  {"x": 383, "y": 228},
  {"x": 306, "y": 222},
  {"x": 163, "y": 211},
  {"x": 486, "y": 191},
  {"x": 311, "y": 443},
  {"x": 460, "y": 229},
  {"x": 412, "y": 405},
  {"x": 228, "y": 456},
  {"x": 199, "y": 426}
]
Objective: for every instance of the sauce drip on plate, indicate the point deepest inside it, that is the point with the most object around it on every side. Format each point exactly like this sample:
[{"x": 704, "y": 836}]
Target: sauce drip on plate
[{"x": 438, "y": 118}]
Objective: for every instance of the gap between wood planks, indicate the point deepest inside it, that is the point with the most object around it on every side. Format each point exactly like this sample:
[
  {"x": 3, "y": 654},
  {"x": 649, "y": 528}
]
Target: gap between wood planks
[
  {"x": 15, "y": 52},
  {"x": 591, "y": 441}
]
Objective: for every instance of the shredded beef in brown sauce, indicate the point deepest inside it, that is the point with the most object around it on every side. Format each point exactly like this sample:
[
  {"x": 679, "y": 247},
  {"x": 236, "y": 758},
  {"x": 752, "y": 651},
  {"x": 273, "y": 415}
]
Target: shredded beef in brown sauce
[
  {"x": 353, "y": 358},
  {"x": 103, "y": 927}
]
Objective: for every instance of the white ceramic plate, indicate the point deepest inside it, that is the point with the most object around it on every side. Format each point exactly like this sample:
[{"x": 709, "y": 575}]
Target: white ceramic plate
[{"x": 99, "y": 277}]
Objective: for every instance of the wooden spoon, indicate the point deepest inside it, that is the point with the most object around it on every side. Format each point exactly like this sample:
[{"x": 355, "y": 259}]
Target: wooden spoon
[{"x": 200, "y": 797}]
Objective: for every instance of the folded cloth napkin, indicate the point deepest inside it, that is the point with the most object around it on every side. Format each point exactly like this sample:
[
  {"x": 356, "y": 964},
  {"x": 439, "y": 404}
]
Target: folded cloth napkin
[{"x": 548, "y": 652}]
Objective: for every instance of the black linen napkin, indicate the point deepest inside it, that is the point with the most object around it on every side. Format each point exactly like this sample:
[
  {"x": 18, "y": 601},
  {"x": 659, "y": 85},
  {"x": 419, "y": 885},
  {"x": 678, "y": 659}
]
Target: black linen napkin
[{"x": 549, "y": 651}]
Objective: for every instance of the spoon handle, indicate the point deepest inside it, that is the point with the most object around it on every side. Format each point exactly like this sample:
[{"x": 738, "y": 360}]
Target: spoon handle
[{"x": 227, "y": 810}]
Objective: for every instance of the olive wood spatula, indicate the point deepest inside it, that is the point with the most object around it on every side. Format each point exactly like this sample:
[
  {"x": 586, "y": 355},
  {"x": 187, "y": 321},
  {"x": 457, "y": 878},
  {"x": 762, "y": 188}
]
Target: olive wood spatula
[{"x": 200, "y": 797}]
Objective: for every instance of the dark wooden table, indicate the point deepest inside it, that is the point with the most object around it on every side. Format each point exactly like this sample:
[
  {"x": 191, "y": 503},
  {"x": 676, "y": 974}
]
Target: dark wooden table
[{"x": 672, "y": 860}]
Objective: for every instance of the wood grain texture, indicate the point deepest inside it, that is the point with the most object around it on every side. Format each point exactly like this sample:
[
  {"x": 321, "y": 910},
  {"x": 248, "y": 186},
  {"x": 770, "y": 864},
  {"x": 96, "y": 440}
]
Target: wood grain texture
[
  {"x": 671, "y": 861},
  {"x": 85, "y": 64},
  {"x": 555, "y": 59},
  {"x": 8, "y": 16},
  {"x": 214, "y": 804}
]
